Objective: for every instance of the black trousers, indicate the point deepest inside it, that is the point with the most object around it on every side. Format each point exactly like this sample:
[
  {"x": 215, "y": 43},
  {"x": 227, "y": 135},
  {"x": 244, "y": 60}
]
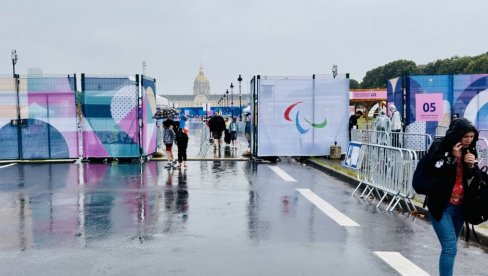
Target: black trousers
[
  {"x": 181, "y": 154},
  {"x": 396, "y": 138}
]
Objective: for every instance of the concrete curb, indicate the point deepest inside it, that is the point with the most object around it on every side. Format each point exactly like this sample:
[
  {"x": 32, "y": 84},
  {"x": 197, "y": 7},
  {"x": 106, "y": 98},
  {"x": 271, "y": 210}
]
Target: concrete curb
[
  {"x": 39, "y": 161},
  {"x": 481, "y": 232}
]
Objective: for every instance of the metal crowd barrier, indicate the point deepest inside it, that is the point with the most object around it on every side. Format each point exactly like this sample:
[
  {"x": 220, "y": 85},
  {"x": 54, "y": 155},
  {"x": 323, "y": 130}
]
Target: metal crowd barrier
[
  {"x": 371, "y": 136},
  {"x": 420, "y": 143},
  {"x": 482, "y": 148},
  {"x": 367, "y": 126},
  {"x": 204, "y": 141},
  {"x": 387, "y": 171}
]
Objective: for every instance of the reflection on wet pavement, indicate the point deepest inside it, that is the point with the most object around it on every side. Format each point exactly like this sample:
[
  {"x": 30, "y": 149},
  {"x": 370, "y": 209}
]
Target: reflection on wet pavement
[{"x": 73, "y": 204}]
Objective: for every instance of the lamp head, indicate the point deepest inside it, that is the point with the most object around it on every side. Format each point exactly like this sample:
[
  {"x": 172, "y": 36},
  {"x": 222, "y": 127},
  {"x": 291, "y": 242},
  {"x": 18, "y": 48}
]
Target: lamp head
[{"x": 14, "y": 56}]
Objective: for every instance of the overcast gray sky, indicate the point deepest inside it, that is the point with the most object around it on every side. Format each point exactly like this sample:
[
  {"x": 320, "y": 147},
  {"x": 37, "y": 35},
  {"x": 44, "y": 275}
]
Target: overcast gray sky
[{"x": 230, "y": 37}]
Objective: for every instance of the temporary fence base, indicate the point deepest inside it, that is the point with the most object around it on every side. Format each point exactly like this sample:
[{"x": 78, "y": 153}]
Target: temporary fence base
[{"x": 394, "y": 198}]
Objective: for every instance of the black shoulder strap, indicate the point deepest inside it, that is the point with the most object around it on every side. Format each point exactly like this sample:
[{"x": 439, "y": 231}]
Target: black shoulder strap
[{"x": 468, "y": 232}]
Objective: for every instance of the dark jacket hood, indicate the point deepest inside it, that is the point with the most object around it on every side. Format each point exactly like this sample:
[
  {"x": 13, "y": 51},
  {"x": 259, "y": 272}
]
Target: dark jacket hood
[{"x": 457, "y": 129}]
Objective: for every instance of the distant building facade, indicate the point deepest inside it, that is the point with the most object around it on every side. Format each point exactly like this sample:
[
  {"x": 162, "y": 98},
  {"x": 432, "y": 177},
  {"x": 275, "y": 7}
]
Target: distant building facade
[{"x": 202, "y": 98}]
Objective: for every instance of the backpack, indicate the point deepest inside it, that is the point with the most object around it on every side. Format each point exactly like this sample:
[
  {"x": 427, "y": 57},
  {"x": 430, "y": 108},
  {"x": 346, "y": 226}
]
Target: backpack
[
  {"x": 475, "y": 204},
  {"x": 422, "y": 184}
]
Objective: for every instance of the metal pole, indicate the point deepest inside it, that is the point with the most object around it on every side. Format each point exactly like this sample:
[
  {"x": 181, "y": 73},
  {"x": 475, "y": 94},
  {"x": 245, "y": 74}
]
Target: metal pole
[
  {"x": 239, "y": 79},
  {"x": 227, "y": 98},
  {"x": 232, "y": 99},
  {"x": 17, "y": 86}
]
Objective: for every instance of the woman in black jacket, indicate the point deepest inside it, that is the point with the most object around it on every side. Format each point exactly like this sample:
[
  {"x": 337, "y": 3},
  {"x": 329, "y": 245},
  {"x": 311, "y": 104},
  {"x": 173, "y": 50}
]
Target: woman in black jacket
[{"x": 450, "y": 168}]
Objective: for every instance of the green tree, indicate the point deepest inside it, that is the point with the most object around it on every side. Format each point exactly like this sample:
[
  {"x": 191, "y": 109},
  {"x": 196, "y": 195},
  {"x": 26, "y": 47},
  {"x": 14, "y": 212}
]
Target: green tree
[
  {"x": 453, "y": 65},
  {"x": 353, "y": 84},
  {"x": 378, "y": 77},
  {"x": 477, "y": 65}
]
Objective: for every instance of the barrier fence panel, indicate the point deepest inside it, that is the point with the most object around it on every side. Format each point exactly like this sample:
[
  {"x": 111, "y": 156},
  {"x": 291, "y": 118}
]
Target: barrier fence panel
[
  {"x": 110, "y": 109},
  {"x": 386, "y": 171},
  {"x": 300, "y": 116},
  {"x": 48, "y": 124},
  {"x": 149, "y": 129},
  {"x": 420, "y": 143},
  {"x": 8, "y": 114}
]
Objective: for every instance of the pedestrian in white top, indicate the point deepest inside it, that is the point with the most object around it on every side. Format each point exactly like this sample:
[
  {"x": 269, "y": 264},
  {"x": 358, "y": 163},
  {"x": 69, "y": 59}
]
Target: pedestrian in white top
[{"x": 396, "y": 125}]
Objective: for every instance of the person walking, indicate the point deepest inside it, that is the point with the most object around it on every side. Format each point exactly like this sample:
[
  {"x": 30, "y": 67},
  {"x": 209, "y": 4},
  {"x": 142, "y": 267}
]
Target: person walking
[
  {"x": 450, "y": 168},
  {"x": 227, "y": 137},
  {"x": 396, "y": 125},
  {"x": 353, "y": 121},
  {"x": 247, "y": 133},
  {"x": 168, "y": 139},
  {"x": 233, "y": 128},
  {"x": 182, "y": 144},
  {"x": 216, "y": 125},
  {"x": 382, "y": 125}
]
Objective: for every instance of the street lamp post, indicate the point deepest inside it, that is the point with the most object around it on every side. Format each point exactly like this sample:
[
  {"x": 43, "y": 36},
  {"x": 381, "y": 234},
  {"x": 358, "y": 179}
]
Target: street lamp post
[
  {"x": 232, "y": 98},
  {"x": 18, "y": 123},
  {"x": 14, "y": 60},
  {"x": 227, "y": 95},
  {"x": 239, "y": 79}
]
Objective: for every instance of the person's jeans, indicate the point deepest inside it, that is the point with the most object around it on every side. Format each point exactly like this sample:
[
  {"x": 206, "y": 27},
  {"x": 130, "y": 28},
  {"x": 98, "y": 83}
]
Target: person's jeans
[{"x": 448, "y": 230}]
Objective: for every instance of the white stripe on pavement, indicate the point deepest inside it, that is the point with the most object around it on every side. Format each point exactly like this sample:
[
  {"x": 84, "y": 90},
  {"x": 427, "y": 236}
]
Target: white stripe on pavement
[
  {"x": 5, "y": 166},
  {"x": 401, "y": 264},
  {"x": 328, "y": 209},
  {"x": 281, "y": 173}
]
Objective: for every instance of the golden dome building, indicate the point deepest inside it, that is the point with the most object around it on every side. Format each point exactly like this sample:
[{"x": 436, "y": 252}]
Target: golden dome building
[{"x": 202, "y": 99}]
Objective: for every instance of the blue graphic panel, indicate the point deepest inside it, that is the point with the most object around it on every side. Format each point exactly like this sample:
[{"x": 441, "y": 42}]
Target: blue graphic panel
[
  {"x": 428, "y": 84},
  {"x": 470, "y": 99}
]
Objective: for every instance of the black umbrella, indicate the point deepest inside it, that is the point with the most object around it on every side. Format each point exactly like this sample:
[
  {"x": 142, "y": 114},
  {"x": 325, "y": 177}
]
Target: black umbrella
[{"x": 167, "y": 113}]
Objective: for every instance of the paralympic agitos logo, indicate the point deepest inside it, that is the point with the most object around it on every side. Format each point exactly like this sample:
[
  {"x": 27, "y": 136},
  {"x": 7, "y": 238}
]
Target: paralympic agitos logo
[{"x": 301, "y": 129}]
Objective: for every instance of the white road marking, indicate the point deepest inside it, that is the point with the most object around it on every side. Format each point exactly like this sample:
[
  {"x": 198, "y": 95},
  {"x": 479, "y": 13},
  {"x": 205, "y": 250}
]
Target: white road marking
[
  {"x": 5, "y": 166},
  {"x": 328, "y": 209},
  {"x": 401, "y": 264},
  {"x": 281, "y": 173}
]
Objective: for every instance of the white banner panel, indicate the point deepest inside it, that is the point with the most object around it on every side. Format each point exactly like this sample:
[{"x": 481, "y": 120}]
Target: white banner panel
[{"x": 302, "y": 117}]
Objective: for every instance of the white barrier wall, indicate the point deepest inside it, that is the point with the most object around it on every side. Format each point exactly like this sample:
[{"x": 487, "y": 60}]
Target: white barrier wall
[{"x": 302, "y": 117}]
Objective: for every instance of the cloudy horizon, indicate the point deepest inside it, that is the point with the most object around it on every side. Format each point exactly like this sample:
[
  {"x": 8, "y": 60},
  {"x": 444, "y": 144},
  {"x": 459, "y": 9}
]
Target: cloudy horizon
[{"x": 228, "y": 38}]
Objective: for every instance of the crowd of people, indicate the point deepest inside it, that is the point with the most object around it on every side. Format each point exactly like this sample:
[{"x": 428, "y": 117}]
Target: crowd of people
[{"x": 176, "y": 132}]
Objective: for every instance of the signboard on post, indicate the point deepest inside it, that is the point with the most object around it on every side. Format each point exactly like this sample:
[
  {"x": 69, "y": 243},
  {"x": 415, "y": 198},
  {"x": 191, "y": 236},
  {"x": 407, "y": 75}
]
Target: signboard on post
[
  {"x": 428, "y": 107},
  {"x": 352, "y": 155}
]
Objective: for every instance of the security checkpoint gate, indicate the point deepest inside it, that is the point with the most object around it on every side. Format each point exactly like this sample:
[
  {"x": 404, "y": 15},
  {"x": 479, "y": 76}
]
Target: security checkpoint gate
[{"x": 387, "y": 171}]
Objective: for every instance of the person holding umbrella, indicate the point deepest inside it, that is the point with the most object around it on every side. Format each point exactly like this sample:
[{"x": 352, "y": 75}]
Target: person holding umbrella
[{"x": 168, "y": 139}]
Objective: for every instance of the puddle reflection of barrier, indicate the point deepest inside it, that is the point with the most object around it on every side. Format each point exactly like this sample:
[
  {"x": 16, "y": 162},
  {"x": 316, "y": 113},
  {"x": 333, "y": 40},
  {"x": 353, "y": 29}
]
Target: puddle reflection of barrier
[{"x": 387, "y": 171}]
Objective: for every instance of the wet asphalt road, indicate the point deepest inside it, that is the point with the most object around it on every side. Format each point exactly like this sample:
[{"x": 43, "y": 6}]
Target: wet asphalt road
[{"x": 215, "y": 218}]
